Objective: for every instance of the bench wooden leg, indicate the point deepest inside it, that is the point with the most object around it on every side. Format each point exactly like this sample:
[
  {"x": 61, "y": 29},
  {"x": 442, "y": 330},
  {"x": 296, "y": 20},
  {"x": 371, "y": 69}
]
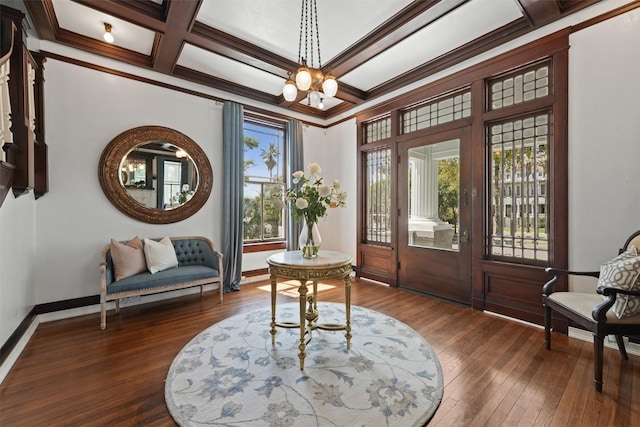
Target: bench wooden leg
[{"x": 103, "y": 315}]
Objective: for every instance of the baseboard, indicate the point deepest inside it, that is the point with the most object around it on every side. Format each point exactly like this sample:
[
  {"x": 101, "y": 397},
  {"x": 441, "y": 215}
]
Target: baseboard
[
  {"x": 16, "y": 336},
  {"x": 14, "y": 352},
  {"x": 245, "y": 280},
  {"x": 610, "y": 341},
  {"x": 524, "y": 322},
  {"x": 66, "y": 304},
  {"x": 58, "y": 310}
]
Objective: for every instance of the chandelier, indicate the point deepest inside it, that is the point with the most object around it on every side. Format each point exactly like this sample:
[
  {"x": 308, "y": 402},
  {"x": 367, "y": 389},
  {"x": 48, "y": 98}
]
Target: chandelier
[{"x": 307, "y": 77}]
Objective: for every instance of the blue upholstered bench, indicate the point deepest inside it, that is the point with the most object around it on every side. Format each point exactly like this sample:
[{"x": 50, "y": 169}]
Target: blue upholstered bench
[{"x": 199, "y": 264}]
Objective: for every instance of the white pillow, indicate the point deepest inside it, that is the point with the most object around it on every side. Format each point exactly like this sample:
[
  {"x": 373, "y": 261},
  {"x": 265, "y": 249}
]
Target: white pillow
[{"x": 160, "y": 255}]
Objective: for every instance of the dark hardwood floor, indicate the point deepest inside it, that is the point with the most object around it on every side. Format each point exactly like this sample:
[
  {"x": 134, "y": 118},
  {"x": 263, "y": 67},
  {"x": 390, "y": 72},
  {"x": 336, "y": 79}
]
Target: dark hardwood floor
[{"x": 496, "y": 371}]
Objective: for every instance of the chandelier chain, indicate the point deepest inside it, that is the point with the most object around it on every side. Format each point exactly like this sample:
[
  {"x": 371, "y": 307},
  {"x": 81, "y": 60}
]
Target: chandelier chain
[
  {"x": 315, "y": 14},
  {"x": 308, "y": 43},
  {"x": 309, "y": 23},
  {"x": 300, "y": 41}
]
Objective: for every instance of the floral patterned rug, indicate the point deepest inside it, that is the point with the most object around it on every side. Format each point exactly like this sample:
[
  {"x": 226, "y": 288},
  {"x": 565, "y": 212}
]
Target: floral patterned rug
[{"x": 231, "y": 374}]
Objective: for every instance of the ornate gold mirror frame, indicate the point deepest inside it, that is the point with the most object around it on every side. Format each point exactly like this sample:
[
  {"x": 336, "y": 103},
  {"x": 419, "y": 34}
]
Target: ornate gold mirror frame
[{"x": 121, "y": 145}]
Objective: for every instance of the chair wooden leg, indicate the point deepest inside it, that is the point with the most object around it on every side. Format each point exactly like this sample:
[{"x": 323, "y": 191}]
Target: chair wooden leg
[
  {"x": 547, "y": 327},
  {"x": 598, "y": 360},
  {"x": 623, "y": 350}
]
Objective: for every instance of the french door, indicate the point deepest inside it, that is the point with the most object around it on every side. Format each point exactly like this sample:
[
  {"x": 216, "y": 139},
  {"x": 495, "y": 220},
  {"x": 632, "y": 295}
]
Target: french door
[{"x": 434, "y": 220}]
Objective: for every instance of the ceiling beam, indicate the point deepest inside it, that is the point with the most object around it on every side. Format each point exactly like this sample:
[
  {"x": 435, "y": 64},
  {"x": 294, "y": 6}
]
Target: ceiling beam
[
  {"x": 44, "y": 18},
  {"x": 540, "y": 12},
  {"x": 224, "y": 85},
  {"x": 231, "y": 47},
  {"x": 180, "y": 18},
  {"x": 94, "y": 46}
]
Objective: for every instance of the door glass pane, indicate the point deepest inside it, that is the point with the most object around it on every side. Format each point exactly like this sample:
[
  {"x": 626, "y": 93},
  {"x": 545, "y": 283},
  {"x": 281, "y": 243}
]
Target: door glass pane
[{"x": 434, "y": 187}]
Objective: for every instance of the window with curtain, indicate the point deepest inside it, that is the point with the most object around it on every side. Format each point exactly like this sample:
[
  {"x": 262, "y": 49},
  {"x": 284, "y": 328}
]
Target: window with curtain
[{"x": 264, "y": 179}]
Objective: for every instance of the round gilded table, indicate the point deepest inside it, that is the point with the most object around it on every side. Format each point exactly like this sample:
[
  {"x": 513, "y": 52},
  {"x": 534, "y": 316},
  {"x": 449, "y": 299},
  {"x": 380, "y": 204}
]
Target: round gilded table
[{"x": 292, "y": 265}]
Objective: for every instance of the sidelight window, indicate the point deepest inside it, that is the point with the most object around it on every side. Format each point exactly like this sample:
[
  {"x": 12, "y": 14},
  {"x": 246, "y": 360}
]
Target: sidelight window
[
  {"x": 378, "y": 196},
  {"x": 519, "y": 222}
]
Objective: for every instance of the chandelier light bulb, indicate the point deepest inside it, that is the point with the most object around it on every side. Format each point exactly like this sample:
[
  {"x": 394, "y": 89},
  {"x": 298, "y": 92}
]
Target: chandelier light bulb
[
  {"x": 108, "y": 37},
  {"x": 303, "y": 78},
  {"x": 314, "y": 98},
  {"x": 330, "y": 86},
  {"x": 289, "y": 91}
]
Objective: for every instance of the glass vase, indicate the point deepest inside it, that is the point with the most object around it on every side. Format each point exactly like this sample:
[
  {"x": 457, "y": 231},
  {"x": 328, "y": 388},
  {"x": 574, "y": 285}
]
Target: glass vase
[{"x": 309, "y": 240}]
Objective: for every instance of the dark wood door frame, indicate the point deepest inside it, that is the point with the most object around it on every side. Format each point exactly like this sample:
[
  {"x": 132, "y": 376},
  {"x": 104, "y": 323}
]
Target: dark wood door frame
[{"x": 508, "y": 288}]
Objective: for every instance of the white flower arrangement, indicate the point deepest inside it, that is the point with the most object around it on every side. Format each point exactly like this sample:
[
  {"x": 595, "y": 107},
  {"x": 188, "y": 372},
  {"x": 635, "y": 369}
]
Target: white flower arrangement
[{"x": 311, "y": 197}]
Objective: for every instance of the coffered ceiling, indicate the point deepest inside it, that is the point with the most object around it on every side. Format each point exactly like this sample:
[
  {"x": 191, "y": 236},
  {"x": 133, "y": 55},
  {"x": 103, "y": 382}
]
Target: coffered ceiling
[{"x": 246, "y": 47}]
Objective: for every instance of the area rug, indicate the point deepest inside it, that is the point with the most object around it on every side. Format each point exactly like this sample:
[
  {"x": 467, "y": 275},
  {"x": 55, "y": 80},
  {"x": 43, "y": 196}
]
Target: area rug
[{"x": 231, "y": 374}]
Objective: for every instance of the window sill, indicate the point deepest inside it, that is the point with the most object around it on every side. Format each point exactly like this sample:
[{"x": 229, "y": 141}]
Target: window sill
[{"x": 263, "y": 247}]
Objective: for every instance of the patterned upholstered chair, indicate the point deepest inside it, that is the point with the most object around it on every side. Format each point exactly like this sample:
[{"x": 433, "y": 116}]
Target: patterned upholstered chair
[{"x": 613, "y": 309}]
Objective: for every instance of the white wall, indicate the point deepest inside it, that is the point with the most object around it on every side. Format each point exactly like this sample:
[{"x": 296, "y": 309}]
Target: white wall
[
  {"x": 604, "y": 140},
  {"x": 85, "y": 109},
  {"x": 338, "y": 151},
  {"x": 17, "y": 261}
]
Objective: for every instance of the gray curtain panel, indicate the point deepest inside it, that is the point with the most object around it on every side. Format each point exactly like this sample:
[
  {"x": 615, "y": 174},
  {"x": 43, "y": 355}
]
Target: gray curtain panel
[
  {"x": 295, "y": 163},
  {"x": 233, "y": 194}
]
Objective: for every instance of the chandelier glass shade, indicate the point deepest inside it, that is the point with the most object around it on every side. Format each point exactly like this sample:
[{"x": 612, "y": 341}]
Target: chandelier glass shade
[{"x": 307, "y": 78}]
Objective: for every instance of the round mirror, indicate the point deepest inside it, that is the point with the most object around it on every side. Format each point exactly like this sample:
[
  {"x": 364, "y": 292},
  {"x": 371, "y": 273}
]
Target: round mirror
[{"x": 155, "y": 174}]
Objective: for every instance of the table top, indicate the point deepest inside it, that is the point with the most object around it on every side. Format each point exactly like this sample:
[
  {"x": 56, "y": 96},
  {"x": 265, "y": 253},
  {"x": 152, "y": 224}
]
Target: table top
[{"x": 295, "y": 259}]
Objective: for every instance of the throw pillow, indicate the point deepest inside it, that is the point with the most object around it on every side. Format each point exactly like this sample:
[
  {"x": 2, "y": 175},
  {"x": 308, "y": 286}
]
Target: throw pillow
[
  {"x": 622, "y": 272},
  {"x": 128, "y": 259},
  {"x": 160, "y": 255}
]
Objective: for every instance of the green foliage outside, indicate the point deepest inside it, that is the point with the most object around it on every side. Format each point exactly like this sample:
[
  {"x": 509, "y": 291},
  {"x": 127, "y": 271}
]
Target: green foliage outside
[{"x": 448, "y": 191}]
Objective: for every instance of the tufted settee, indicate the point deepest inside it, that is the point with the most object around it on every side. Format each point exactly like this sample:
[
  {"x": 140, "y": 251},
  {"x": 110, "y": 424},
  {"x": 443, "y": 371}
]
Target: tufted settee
[{"x": 199, "y": 264}]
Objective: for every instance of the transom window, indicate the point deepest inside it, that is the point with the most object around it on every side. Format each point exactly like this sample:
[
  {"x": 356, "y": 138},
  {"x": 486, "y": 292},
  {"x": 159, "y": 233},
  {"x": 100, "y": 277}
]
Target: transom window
[
  {"x": 377, "y": 130},
  {"x": 435, "y": 112},
  {"x": 264, "y": 178},
  {"x": 522, "y": 86}
]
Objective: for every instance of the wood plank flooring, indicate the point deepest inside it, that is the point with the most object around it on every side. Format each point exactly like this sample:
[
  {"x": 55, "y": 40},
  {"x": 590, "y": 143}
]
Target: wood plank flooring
[{"x": 496, "y": 371}]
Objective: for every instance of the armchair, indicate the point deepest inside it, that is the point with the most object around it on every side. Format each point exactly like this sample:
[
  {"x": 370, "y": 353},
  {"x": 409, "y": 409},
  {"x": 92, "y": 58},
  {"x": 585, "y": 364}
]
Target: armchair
[{"x": 599, "y": 312}]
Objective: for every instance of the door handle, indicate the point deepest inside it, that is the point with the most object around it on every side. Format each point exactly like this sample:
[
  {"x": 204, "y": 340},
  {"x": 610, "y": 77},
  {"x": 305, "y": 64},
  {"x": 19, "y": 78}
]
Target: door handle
[{"x": 464, "y": 238}]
